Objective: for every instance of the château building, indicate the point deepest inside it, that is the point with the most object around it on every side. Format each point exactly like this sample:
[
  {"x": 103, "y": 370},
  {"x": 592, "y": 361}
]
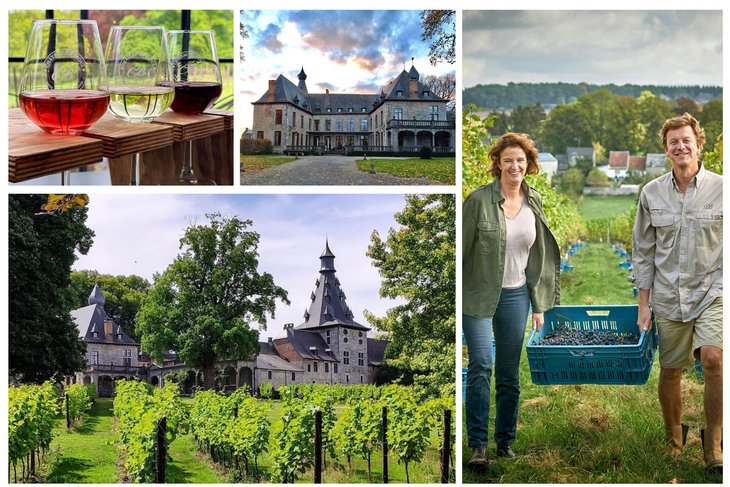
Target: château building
[
  {"x": 328, "y": 347},
  {"x": 404, "y": 116}
]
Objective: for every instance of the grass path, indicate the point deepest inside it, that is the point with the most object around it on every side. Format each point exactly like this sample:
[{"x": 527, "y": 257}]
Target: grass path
[
  {"x": 596, "y": 433},
  {"x": 89, "y": 454}
]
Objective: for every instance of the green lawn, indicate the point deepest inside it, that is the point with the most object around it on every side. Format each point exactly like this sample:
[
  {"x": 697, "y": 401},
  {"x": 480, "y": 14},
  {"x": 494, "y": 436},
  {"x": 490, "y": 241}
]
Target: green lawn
[
  {"x": 596, "y": 433},
  {"x": 601, "y": 206},
  {"x": 263, "y": 161},
  {"x": 441, "y": 169}
]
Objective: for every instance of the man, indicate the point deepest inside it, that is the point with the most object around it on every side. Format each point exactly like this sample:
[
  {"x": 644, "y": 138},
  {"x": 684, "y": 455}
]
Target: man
[{"x": 677, "y": 260}]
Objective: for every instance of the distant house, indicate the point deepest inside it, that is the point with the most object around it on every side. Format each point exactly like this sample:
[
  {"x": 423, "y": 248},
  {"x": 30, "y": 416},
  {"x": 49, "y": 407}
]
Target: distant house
[
  {"x": 576, "y": 153},
  {"x": 637, "y": 164},
  {"x": 548, "y": 164},
  {"x": 618, "y": 164},
  {"x": 656, "y": 164},
  {"x": 110, "y": 353}
]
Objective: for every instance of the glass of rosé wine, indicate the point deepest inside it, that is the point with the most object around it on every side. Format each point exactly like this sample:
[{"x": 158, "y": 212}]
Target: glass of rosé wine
[
  {"x": 196, "y": 77},
  {"x": 63, "y": 86}
]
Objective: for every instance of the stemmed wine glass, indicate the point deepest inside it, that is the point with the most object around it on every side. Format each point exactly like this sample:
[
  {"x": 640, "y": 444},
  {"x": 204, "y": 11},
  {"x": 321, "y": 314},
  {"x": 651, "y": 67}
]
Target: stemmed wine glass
[
  {"x": 138, "y": 66},
  {"x": 197, "y": 81},
  {"x": 63, "y": 86}
]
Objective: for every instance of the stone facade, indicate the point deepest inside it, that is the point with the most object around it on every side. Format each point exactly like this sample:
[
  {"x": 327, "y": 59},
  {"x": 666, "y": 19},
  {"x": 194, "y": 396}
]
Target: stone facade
[
  {"x": 404, "y": 116},
  {"x": 329, "y": 347}
]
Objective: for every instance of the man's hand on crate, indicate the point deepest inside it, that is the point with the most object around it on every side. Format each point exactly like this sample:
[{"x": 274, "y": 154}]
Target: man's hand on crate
[{"x": 643, "y": 320}]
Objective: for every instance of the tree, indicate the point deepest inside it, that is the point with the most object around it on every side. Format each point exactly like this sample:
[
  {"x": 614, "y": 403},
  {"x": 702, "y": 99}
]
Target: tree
[
  {"x": 596, "y": 177},
  {"x": 43, "y": 339},
  {"x": 417, "y": 263},
  {"x": 571, "y": 183},
  {"x": 528, "y": 119},
  {"x": 124, "y": 295},
  {"x": 567, "y": 126},
  {"x": 204, "y": 303},
  {"x": 439, "y": 26},
  {"x": 443, "y": 86}
]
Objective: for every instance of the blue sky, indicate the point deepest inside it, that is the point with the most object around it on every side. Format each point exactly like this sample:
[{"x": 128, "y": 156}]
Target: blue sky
[
  {"x": 139, "y": 234},
  {"x": 344, "y": 51},
  {"x": 594, "y": 46}
]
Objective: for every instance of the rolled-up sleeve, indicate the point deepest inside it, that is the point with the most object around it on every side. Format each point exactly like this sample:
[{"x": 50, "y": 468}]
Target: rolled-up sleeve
[{"x": 644, "y": 246}]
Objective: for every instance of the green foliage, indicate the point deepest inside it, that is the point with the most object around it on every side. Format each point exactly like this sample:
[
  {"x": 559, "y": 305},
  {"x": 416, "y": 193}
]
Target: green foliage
[
  {"x": 139, "y": 408},
  {"x": 474, "y": 150},
  {"x": 123, "y": 294},
  {"x": 712, "y": 161},
  {"x": 80, "y": 400},
  {"x": 426, "y": 152},
  {"x": 597, "y": 178},
  {"x": 42, "y": 338},
  {"x": 256, "y": 146},
  {"x": 571, "y": 183},
  {"x": 266, "y": 390},
  {"x": 30, "y": 419},
  {"x": 203, "y": 304},
  {"x": 417, "y": 263},
  {"x": 408, "y": 427}
]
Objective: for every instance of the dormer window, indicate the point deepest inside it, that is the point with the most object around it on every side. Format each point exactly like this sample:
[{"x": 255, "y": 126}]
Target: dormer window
[
  {"x": 339, "y": 110},
  {"x": 119, "y": 336},
  {"x": 426, "y": 92},
  {"x": 95, "y": 334},
  {"x": 363, "y": 109},
  {"x": 329, "y": 110},
  {"x": 399, "y": 93},
  {"x": 349, "y": 110}
]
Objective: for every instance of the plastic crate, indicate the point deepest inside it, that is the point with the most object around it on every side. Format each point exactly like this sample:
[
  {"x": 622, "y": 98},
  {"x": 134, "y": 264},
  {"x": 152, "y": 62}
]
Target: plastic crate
[{"x": 592, "y": 364}]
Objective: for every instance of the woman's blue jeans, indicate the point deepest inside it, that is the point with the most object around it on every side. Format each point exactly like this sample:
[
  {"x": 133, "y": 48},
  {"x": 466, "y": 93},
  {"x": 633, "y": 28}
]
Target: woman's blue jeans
[{"x": 509, "y": 323}]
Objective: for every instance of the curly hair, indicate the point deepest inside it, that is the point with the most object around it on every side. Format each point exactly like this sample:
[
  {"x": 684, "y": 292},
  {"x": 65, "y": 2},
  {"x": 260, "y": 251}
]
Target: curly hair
[
  {"x": 511, "y": 139},
  {"x": 683, "y": 121}
]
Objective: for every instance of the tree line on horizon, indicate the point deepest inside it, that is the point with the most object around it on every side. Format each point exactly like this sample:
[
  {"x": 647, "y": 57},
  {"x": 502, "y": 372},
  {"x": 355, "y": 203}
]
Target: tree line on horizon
[{"x": 511, "y": 95}]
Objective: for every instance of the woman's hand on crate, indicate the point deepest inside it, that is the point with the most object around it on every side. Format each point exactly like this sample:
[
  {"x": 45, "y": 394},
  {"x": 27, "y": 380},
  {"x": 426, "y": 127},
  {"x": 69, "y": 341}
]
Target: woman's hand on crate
[{"x": 537, "y": 320}]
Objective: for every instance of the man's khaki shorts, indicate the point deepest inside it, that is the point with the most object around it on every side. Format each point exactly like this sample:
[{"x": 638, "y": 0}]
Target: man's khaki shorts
[{"x": 678, "y": 340}]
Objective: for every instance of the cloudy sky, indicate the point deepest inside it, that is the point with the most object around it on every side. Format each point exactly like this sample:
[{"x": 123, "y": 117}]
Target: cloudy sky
[
  {"x": 139, "y": 234},
  {"x": 343, "y": 51},
  {"x": 642, "y": 47}
]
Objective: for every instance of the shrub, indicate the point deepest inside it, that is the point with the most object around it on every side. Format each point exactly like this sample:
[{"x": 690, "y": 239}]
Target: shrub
[
  {"x": 426, "y": 152},
  {"x": 256, "y": 146},
  {"x": 266, "y": 390}
]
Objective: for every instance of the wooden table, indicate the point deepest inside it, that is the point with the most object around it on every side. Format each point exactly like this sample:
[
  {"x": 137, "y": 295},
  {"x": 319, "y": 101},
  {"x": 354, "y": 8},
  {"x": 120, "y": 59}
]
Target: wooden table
[
  {"x": 32, "y": 153},
  {"x": 162, "y": 145}
]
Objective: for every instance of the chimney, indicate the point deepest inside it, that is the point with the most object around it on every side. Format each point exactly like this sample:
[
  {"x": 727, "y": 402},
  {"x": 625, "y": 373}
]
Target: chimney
[
  {"x": 413, "y": 87},
  {"x": 272, "y": 90},
  {"x": 271, "y": 341},
  {"x": 108, "y": 327},
  {"x": 327, "y": 91}
]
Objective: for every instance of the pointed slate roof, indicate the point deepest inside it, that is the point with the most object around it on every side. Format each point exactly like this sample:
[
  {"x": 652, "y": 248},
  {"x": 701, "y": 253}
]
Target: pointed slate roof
[
  {"x": 329, "y": 305},
  {"x": 90, "y": 319},
  {"x": 399, "y": 88},
  {"x": 286, "y": 91}
]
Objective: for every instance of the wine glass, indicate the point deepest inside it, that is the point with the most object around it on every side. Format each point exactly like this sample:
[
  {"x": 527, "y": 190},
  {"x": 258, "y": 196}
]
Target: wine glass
[
  {"x": 63, "y": 86},
  {"x": 197, "y": 81},
  {"x": 139, "y": 75}
]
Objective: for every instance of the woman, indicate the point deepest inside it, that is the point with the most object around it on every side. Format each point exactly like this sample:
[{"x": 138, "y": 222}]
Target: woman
[{"x": 511, "y": 261}]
